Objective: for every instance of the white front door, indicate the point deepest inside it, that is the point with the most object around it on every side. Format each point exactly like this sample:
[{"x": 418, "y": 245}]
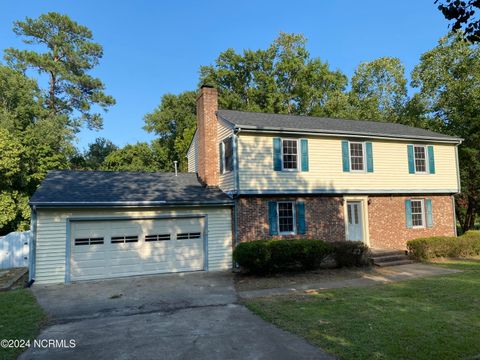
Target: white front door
[{"x": 354, "y": 221}]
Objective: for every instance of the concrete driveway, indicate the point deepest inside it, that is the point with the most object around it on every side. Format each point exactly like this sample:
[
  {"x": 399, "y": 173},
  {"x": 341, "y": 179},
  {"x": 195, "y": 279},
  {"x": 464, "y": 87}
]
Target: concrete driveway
[{"x": 176, "y": 316}]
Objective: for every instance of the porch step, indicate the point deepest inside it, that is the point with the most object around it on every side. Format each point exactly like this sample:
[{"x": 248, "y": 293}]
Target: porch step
[
  {"x": 386, "y": 257},
  {"x": 394, "y": 263}
]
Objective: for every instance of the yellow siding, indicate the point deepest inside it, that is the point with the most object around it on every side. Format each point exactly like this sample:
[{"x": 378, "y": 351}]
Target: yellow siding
[
  {"x": 192, "y": 155},
  {"x": 52, "y": 236},
  {"x": 226, "y": 181},
  {"x": 326, "y": 172}
]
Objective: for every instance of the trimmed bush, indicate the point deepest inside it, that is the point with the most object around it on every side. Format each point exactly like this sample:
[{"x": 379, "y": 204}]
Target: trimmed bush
[
  {"x": 351, "y": 253},
  {"x": 466, "y": 245},
  {"x": 261, "y": 257}
]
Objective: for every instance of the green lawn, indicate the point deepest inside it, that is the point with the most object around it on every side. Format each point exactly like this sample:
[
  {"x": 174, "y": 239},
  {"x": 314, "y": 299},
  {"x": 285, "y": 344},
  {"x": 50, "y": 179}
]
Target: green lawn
[
  {"x": 430, "y": 318},
  {"x": 20, "y": 318}
]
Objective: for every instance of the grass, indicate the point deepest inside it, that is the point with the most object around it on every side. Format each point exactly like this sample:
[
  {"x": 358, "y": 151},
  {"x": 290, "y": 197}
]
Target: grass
[
  {"x": 429, "y": 318},
  {"x": 20, "y": 318}
]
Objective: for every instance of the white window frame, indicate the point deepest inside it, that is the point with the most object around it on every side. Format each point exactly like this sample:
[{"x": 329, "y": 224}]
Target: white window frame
[
  {"x": 294, "y": 232},
  {"x": 299, "y": 165},
  {"x": 364, "y": 157},
  {"x": 422, "y": 203},
  {"x": 224, "y": 162},
  {"x": 427, "y": 163}
]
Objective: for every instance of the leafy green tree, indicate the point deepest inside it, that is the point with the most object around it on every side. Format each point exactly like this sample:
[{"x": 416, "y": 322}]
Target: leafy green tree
[
  {"x": 281, "y": 79},
  {"x": 174, "y": 122},
  {"x": 70, "y": 54},
  {"x": 448, "y": 78},
  {"x": 137, "y": 157},
  {"x": 94, "y": 157},
  {"x": 379, "y": 90}
]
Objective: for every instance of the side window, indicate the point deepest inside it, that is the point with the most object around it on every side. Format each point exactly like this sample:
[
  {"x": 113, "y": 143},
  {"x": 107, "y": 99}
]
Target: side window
[
  {"x": 418, "y": 213},
  {"x": 286, "y": 217},
  {"x": 289, "y": 154},
  {"x": 226, "y": 155}
]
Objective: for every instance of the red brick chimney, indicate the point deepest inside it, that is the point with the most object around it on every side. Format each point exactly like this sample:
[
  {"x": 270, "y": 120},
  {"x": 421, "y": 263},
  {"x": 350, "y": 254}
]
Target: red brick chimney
[{"x": 207, "y": 106}]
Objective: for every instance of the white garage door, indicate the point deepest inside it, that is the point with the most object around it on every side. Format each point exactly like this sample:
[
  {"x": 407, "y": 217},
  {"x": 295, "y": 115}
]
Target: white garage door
[{"x": 105, "y": 249}]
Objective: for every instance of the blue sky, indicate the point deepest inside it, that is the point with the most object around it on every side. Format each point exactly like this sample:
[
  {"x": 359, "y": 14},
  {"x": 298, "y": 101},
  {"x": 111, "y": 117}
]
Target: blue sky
[{"x": 156, "y": 47}]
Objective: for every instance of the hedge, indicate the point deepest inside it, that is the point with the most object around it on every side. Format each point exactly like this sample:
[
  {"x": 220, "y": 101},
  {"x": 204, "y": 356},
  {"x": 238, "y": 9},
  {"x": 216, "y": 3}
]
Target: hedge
[
  {"x": 467, "y": 245},
  {"x": 270, "y": 256}
]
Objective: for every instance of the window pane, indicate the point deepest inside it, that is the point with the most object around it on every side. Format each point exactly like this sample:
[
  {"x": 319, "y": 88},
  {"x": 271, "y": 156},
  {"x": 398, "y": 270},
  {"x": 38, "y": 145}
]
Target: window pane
[
  {"x": 228, "y": 153},
  {"x": 417, "y": 212},
  {"x": 290, "y": 154},
  {"x": 356, "y": 156},
  {"x": 420, "y": 159},
  {"x": 285, "y": 217}
]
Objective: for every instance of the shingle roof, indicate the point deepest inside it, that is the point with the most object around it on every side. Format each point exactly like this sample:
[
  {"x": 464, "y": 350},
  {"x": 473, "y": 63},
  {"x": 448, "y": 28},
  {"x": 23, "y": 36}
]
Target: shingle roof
[
  {"x": 280, "y": 122},
  {"x": 84, "y": 188}
]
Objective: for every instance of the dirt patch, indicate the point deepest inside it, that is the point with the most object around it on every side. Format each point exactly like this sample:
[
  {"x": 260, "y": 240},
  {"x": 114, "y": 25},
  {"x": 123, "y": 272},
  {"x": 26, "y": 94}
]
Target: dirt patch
[
  {"x": 282, "y": 280},
  {"x": 15, "y": 277}
]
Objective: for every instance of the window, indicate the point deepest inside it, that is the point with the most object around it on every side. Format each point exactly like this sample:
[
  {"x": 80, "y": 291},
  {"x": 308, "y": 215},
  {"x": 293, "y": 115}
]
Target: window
[
  {"x": 123, "y": 239},
  {"x": 420, "y": 156},
  {"x": 188, "y": 236},
  {"x": 286, "y": 217},
  {"x": 417, "y": 209},
  {"x": 159, "y": 237},
  {"x": 289, "y": 154},
  {"x": 226, "y": 155},
  {"x": 357, "y": 155},
  {"x": 89, "y": 241}
]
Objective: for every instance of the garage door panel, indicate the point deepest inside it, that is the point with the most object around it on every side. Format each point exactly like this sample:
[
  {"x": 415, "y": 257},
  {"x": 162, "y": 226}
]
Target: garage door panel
[{"x": 155, "y": 250}]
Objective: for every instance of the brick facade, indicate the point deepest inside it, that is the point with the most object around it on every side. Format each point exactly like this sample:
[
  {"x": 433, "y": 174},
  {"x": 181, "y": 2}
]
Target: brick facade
[
  {"x": 207, "y": 106},
  {"x": 323, "y": 215},
  {"x": 325, "y": 219},
  {"x": 387, "y": 220}
]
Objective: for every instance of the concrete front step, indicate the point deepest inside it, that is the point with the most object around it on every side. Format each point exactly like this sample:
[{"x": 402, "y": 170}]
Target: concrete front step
[
  {"x": 394, "y": 263},
  {"x": 387, "y": 258},
  {"x": 379, "y": 252}
]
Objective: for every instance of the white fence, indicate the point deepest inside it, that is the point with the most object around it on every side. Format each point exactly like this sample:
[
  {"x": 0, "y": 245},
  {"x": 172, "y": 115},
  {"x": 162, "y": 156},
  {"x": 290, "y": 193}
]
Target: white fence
[{"x": 14, "y": 249}]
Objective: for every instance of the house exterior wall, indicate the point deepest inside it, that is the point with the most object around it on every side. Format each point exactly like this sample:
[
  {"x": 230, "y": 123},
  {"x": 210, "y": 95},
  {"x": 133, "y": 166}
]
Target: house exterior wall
[
  {"x": 390, "y": 175},
  {"x": 192, "y": 154},
  {"x": 226, "y": 181},
  {"x": 387, "y": 220},
  {"x": 51, "y": 237},
  {"x": 323, "y": 215}
]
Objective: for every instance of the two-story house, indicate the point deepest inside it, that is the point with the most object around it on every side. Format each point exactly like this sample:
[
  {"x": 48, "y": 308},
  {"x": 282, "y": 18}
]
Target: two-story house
[
  {"x": 251, "y": 176},
  {"x": 330, "y": 179}
]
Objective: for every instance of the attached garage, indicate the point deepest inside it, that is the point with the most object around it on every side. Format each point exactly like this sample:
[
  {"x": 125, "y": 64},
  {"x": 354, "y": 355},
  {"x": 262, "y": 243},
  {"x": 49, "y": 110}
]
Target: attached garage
[{"x": 178, "y": 225}]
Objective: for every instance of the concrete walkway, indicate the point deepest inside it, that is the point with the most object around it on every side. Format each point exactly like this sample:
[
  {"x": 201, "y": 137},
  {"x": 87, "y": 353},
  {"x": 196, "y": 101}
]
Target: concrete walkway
[{"x": 383, "y": 276}]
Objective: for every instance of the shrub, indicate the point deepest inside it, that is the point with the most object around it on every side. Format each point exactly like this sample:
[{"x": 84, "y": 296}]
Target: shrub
[
  {"x": 444, "y": 246},
  {"x": 351, "y": 253},
  {"x": 253, "y": 256},
  {"x": 261, "y": 257}
]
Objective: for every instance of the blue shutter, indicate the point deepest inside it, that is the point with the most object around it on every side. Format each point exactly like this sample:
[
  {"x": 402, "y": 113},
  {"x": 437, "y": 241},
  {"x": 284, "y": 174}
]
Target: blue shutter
[
  {"x": 272, "y": 217},
  {"x": 408, "y": 213},
  {"x": 304, "y": 151},
  {"x": 301, "y": 225},
  {"x": 431, "y": 160},
  {"x": 277, "y": 154},
  {"x": 345, "y": 156},
  {"x": 220, "y": 155},
  {"x": 369, "y": 152},
  {"x": 411, "y": 161},
  {"x": 428, "y": 208}
]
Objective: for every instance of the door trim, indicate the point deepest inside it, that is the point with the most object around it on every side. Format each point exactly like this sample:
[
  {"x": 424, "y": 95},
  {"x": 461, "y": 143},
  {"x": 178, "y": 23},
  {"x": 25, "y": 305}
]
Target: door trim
[
  {"x": 363, "y": 200},
  {"x": 69, "y": 220}
]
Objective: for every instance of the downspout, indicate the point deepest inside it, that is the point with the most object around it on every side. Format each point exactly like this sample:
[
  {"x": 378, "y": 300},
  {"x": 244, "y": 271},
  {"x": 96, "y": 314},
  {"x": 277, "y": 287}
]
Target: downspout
[
  {"x": 33, "y": 246},
  {"x": 236, "y": 187},
  {"x": 459, "y": 186}
]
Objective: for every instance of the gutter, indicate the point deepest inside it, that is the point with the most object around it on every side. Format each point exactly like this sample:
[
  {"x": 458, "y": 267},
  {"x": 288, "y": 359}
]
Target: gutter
[
  {"x": 236, "y": 131},
  {"x": 86, "y": 204}
]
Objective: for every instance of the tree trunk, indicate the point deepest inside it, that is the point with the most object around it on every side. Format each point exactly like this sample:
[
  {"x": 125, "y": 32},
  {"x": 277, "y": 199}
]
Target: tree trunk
[{"x": 470, "y": 216}]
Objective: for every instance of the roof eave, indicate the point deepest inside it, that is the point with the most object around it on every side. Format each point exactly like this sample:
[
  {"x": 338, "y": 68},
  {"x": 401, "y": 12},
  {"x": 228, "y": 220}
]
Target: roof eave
[
  {"x": 87, "y": 204},
  {"x": 250, "y": 128}
]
